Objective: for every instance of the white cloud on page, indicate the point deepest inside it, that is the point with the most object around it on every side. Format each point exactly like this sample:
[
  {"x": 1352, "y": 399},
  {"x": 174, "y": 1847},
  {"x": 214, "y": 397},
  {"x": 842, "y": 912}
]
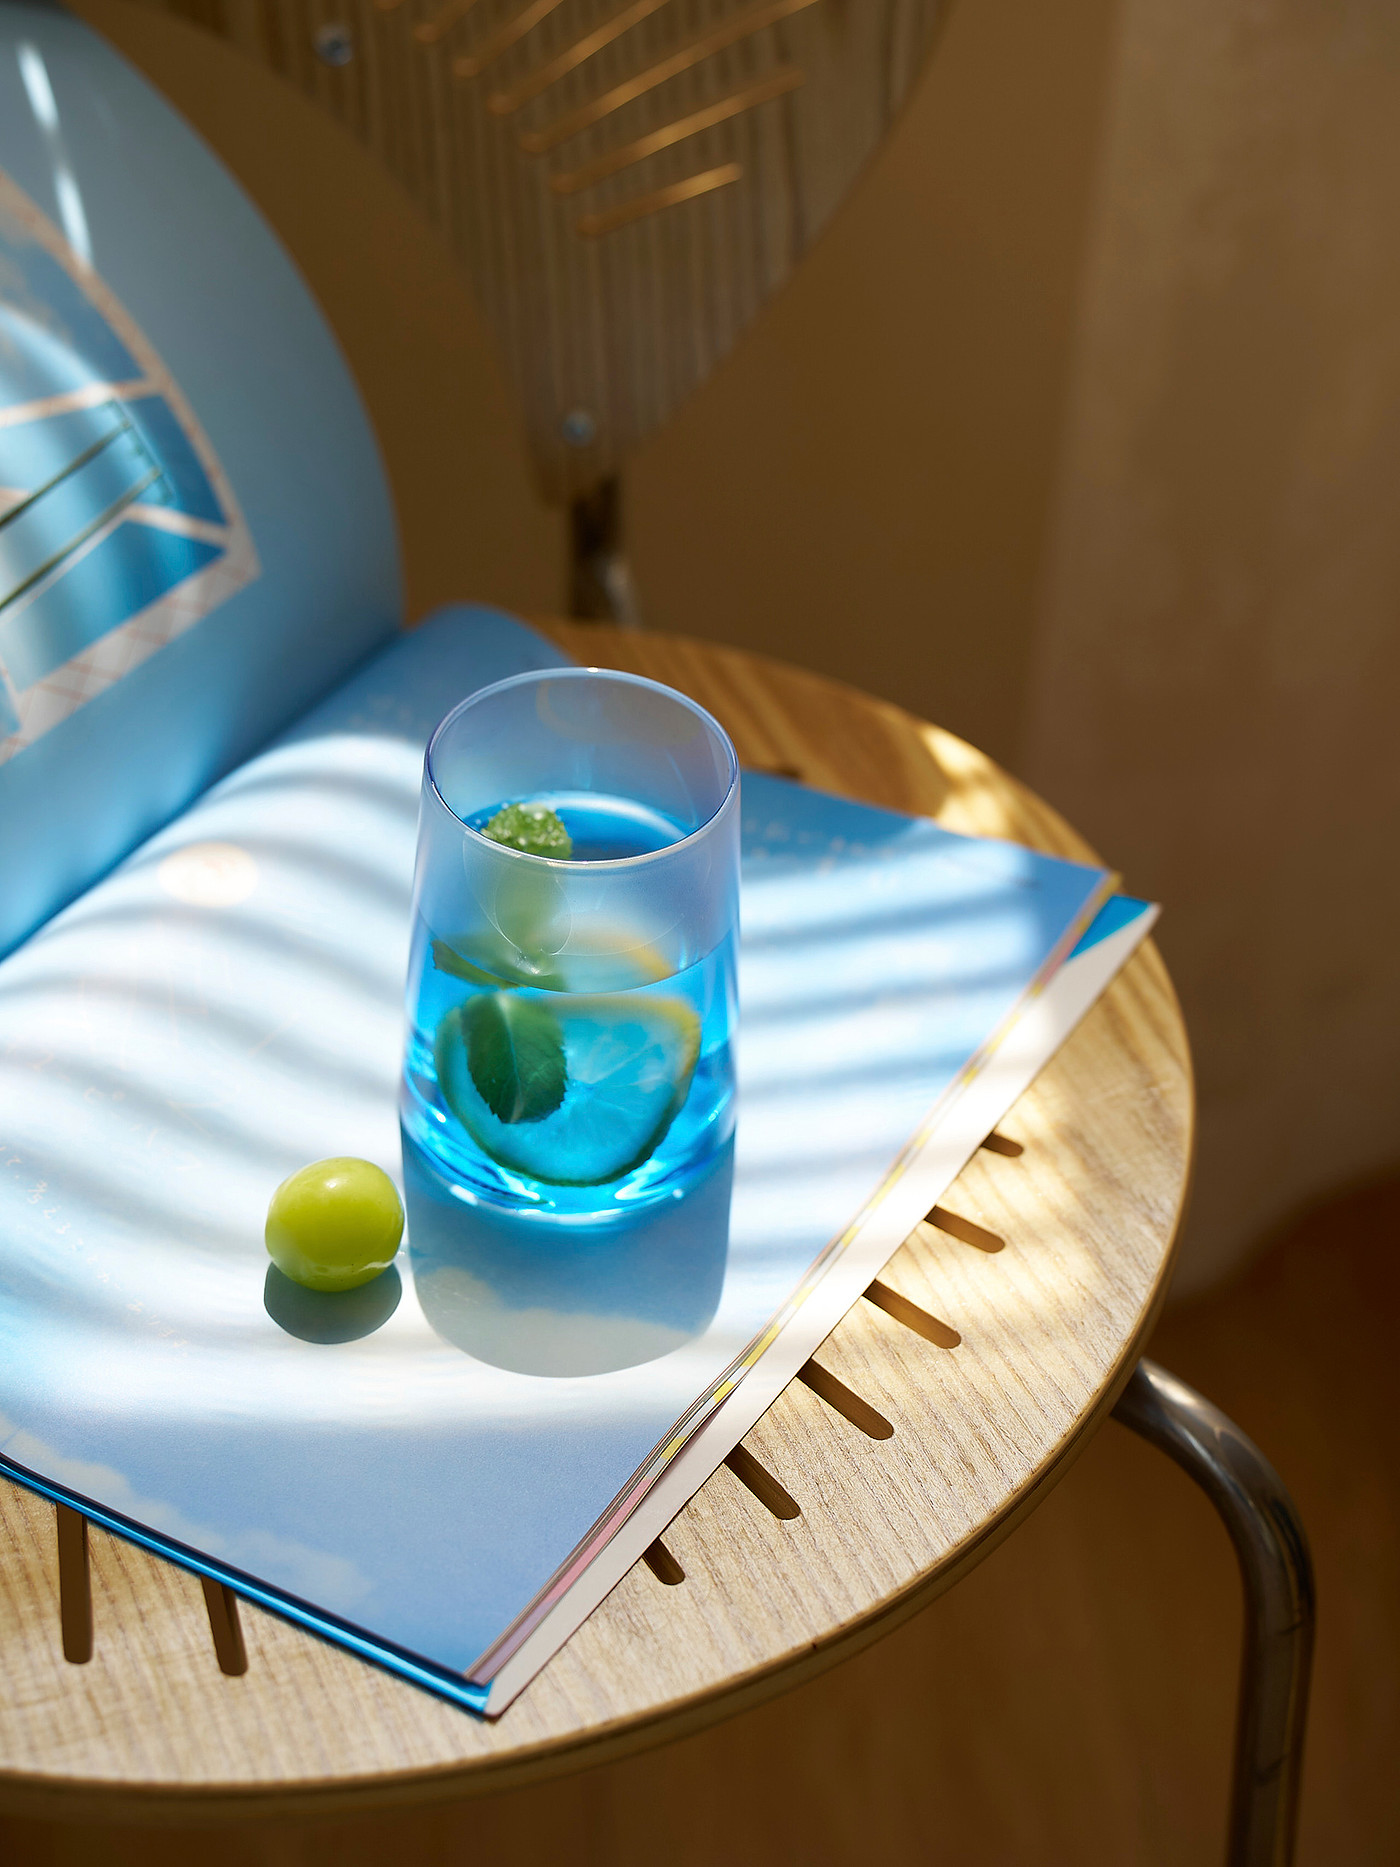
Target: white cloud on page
[{"x": 330, "y": 1581}]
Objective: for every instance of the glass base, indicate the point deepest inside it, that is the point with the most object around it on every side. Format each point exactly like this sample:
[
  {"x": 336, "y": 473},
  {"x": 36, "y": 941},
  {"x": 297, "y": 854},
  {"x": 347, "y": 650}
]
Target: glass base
[{"x": 470, "y": 1174}]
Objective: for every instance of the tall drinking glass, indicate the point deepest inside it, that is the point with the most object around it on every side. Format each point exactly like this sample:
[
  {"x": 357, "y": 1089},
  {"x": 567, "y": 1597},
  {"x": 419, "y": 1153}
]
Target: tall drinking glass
[{"x": 571, "y": 1017}]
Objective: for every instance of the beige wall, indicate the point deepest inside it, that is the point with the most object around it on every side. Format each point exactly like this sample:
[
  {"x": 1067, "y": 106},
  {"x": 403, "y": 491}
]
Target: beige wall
[
  {"x": 865, "y": 485},
  {"x": 1217, "y": 661},
  {"x": 1077, "y": 433}
]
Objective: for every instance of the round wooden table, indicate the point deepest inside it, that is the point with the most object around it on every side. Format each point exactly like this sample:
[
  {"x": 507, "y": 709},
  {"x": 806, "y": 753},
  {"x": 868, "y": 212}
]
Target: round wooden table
[{"x": 994, "y": 1344}]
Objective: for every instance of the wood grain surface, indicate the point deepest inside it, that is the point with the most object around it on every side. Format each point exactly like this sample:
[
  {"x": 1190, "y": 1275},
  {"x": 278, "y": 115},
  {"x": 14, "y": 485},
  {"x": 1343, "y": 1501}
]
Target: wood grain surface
[
  {"x": 1047, "y": 1327},
  {"x": 626, "y": 185}
]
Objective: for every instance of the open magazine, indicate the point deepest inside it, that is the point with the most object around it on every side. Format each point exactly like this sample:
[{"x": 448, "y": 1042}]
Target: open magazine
[{"x": 448, "y": 1468}]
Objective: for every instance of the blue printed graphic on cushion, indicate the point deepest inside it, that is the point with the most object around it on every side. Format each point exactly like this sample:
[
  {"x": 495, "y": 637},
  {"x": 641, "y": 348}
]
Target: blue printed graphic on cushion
[
  {"x": 107, "y": 512},
  {"x": 183, "y": 482},
  {"x": 148, "y": 313},
  {"x": 36, "y": 290},
  {"x": 103, "y": 588}
]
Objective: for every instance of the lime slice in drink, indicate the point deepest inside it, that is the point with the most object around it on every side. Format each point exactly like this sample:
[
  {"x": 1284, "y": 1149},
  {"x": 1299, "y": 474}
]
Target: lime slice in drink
[
  {"x": 627, "y": 1065},
  {"x": 611, "y": 963}
]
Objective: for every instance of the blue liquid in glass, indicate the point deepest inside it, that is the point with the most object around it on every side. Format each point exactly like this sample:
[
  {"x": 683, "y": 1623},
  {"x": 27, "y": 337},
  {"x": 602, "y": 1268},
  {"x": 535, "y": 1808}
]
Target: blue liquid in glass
[{"x": 574, "y": 1087}]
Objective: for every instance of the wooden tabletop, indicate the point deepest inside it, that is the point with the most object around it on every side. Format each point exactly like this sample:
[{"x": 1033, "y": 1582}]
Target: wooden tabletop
[{"x": 992, "y": 1346}]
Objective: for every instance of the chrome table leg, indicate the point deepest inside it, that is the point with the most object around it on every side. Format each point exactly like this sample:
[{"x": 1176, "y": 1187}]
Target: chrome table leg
[{"x": 1276, "y": 1569}]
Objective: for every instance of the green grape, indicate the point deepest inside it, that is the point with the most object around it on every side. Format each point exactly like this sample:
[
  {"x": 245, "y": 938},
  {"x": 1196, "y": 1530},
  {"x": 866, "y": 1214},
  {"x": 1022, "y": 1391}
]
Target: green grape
[{"x": 335, "y": 1224}]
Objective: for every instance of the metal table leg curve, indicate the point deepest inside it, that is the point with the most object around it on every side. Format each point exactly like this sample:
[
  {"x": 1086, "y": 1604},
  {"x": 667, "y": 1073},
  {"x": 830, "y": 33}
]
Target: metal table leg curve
[{"x": 1276, "y": 1569}]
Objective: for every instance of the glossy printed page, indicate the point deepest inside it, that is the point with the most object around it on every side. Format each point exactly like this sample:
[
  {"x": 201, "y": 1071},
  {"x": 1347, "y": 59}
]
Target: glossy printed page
[
  {"x": 416, "y": 1460},
  {"x": 196, "y": 536}
]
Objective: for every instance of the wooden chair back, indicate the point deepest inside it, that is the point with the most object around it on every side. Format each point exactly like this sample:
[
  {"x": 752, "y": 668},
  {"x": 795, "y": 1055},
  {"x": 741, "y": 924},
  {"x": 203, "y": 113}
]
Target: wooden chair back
[{"x": 626, "y": 181}]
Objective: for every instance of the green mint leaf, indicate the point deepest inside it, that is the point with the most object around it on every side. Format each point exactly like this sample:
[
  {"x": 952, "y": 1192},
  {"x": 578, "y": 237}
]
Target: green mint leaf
[
  {"x": 448, "y": 959},
  {"x": 515, "y": 1052},
  {"x": 532, "y": 828}
]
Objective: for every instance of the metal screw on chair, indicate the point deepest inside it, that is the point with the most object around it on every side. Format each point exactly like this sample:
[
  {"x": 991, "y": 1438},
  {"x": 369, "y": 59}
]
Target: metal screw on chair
[
  {"x": 1276, "y": 1569},
  {"x": 579, "y": 428},
  {"x": 335, "y": 44}
]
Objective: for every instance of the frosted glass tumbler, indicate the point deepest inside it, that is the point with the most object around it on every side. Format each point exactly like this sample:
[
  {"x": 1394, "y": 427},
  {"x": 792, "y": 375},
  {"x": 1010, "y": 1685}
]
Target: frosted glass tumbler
[{"x": 571, "y": 1020}]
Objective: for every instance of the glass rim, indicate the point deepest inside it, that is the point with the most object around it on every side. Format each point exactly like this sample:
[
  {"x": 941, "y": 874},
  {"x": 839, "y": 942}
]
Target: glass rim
[{"x": 574, "y": 672}]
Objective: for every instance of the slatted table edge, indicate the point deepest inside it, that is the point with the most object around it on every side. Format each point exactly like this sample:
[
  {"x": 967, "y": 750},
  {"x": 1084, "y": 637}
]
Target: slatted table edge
[{"x": 89, "y": 1800}]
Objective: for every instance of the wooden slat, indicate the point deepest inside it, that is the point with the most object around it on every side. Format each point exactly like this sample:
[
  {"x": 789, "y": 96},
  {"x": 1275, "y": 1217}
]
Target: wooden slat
[
  {"x": 931, "y": 1328},
  {"x": 74, "y": 1585},
  {"x": 694, "y": 52},
  {"x": 429, "y": 31},
  {"x": 1003, "y": 1144},
  {"x": 571, "y": 181},
  {"x": 225, "y": 1628},
  {"x": 964, "y": 1230},
  {"x": 510, "y": 33},
  {"x": 845, "y": 1401},
  {"x": 506, "y": 103},
  {"x": 663, "y": 1565},
  {"x": 593, "y": 226},
  {"x": 756, "y": 1478}
]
